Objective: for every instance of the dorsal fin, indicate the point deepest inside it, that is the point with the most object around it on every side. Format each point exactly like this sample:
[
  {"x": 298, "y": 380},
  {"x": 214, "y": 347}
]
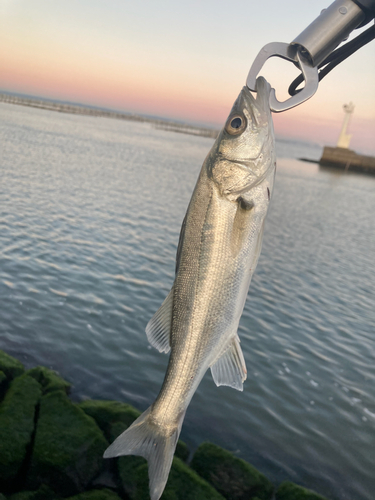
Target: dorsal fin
[
  {"x": 230, "y": 368},
  {"x": 158, "y": 329}
]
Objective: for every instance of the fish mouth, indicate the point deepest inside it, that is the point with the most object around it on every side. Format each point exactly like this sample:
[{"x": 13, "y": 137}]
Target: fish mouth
[{"x": 260, "y": 102}]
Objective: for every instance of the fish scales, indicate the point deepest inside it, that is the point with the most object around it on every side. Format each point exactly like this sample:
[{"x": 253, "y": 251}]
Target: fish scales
[{"x": 218, "y": 250}]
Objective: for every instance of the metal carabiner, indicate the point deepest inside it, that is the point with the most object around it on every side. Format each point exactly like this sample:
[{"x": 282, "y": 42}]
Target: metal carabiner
[{"x": 293, "y": 54}]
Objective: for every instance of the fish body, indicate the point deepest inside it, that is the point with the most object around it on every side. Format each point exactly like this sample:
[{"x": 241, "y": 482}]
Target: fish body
[{"x": 220, "y": 242}]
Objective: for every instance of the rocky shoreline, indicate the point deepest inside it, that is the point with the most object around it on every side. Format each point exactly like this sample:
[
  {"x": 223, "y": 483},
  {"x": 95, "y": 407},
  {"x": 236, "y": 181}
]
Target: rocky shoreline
[{"x": 52, "y": 448}]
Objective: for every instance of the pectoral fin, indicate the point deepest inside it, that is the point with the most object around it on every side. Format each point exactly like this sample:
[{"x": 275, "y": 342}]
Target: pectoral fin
[
  {"x": 241, "y": 223},
  {"x": 230, "y": 368},
  {"x": 158, "y": 329}
]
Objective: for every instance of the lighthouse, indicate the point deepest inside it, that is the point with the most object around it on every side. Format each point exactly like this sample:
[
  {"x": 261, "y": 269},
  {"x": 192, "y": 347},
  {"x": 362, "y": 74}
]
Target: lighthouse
[
  {"x": 341, "y": 156},
  {"x": 344, "y": 138}
]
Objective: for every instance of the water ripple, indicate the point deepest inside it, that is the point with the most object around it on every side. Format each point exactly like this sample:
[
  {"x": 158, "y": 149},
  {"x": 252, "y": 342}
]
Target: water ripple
[{"x": 90, "y": 213}]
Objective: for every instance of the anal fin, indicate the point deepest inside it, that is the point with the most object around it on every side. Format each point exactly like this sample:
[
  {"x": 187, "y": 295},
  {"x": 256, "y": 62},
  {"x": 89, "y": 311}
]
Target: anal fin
[
  {"x": 230, "y": 368},
  {"x": 158, "y": 329}
]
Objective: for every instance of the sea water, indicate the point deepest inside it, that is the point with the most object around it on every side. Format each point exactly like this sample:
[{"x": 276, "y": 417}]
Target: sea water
[{"x": 90, "y": 213}]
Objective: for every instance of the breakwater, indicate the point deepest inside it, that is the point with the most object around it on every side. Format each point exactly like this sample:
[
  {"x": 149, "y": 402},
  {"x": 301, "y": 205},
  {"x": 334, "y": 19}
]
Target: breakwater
[
  {"x": 53, "y": 448},
  {"x": 60, "y": 107},
  {"x": 347, "y": 159}
]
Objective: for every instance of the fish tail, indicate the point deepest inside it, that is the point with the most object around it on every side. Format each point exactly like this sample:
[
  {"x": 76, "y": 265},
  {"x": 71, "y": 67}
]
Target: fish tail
[{"x": 153, "y": 442}]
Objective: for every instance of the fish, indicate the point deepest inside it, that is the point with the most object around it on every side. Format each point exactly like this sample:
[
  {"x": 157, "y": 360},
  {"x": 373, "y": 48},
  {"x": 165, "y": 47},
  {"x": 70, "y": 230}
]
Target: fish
[{"x": 218, "y": 250}]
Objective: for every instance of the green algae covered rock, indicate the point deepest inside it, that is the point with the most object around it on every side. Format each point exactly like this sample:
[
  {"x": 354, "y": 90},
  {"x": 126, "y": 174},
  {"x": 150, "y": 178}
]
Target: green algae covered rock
[
  {"x": 114, "y": 418},
  {"x": 2, "y": 497},
  {"x": 234, "y": 478},
  {"x": 291, "y": 491},
  {"x": 10, "y": 366},
  {"x": 3, "y": 379},
  {"x": 17, "y": 413},
  {"x": 183, "y": 484},
  {"x": 103, "y": 494},
  {"x": 182, "y": 451},
  {"x": 49, "y": 380},
  {"x": 43, "y": 493},
  {"x": 68, "y": 446},
  {"x": 127, "y": 465},
  {"x": 107, "y": 413}
]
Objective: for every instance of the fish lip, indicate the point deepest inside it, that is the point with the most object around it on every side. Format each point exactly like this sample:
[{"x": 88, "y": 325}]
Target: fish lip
[{"x": 261, "y": 101}]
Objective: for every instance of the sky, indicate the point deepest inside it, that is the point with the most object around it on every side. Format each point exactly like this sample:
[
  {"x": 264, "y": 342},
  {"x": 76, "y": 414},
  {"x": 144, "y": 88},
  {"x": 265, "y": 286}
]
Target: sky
[{"x": 185, "y": 60}]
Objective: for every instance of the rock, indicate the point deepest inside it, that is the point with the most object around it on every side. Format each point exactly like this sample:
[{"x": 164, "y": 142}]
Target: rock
[
  {"x": 127, "y": 470},
  {"x": 3, "y": 379},
  {"x": 10, "y": 366},
  {"x": 291, "y": 491},
  {"x": 183, "y": 484},
  {"x": 114, "y": 418},
  {"x": 126, "y": 465},
  {"x": 2, "y": 497},
  {"x": 182, "y": 451},
  {"x": 43, "y": 493},
  {"x": 68, "y": 446},
  {"x": 107, "y": 413},
  {"x": 17, "y": 413},
  {"x": 234, "y": 478},
  {"x": 103, "y": 494},
  {"x": 49, "y": 380}
]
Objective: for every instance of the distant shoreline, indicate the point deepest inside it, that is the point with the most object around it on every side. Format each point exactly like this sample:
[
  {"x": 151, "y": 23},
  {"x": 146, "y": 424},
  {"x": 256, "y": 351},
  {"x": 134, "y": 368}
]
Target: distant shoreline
[{"x": 84, "y": 110}]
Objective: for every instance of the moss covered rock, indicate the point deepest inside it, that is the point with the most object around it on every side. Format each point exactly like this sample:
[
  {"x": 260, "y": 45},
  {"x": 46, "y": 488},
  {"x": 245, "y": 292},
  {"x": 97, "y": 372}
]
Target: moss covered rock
[
  {"x": 10, "y": 366},
  {"x": 291, "y": 491},
  {"x": 3, "y": 380},
  {"x": 43, "y": 493},
  {"x": 103, "y": 494},
  {"x": 108, "y": 413},
  {"x": 234, "y": 478},
  {"x": 114, "y": 418},
  {"x": 183, "y": 484},
  {"x": 126, "y": 465},
  {"x": 68, "y": 446},
  {"x": 17, "y": 413},
  {"x": 49, "y": 380},
  {"x": 182, "y": 451}
]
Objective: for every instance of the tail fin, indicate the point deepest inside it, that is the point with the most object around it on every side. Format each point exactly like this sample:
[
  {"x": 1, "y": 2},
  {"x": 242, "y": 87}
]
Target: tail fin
[{"x": 152, "y": 442}]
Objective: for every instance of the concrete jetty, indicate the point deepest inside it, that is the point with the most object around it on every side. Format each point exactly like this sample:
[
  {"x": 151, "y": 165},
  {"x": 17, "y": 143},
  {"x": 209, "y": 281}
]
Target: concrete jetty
[
  {"x": 347, "y": 159},
  {"x": 341, "y": 156}
]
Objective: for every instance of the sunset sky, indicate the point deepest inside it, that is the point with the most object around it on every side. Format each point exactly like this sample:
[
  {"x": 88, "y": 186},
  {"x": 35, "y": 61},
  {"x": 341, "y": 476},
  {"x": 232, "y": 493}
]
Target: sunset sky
[{"x": 185, "y": 60}]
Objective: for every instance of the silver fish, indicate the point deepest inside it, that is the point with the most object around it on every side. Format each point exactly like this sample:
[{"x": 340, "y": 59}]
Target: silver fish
[{"x": 218, "y": 250}]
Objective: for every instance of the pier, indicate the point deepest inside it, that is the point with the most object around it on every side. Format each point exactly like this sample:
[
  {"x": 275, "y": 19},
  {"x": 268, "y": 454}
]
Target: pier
[
  {"x": 347, "y": 159},
  {"x": 341, "y": 156}
]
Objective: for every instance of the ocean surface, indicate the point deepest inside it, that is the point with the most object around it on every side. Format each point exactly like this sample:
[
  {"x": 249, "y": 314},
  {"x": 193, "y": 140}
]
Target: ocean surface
[{"x": 90, "y": 213}]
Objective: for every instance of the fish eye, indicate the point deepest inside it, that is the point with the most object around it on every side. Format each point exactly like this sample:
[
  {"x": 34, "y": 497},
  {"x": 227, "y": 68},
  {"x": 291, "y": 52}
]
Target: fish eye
[{"x": 235, "y": 124}]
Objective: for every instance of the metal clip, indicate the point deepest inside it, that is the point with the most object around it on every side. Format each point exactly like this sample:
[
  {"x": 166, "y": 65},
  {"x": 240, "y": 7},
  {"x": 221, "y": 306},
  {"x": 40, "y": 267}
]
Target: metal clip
[{"x": 293, "y": 54}]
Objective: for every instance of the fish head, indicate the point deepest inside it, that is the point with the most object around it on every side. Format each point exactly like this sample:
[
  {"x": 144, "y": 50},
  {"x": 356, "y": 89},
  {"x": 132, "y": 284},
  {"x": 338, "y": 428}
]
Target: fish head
[{"x": 244, "y": 151}]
